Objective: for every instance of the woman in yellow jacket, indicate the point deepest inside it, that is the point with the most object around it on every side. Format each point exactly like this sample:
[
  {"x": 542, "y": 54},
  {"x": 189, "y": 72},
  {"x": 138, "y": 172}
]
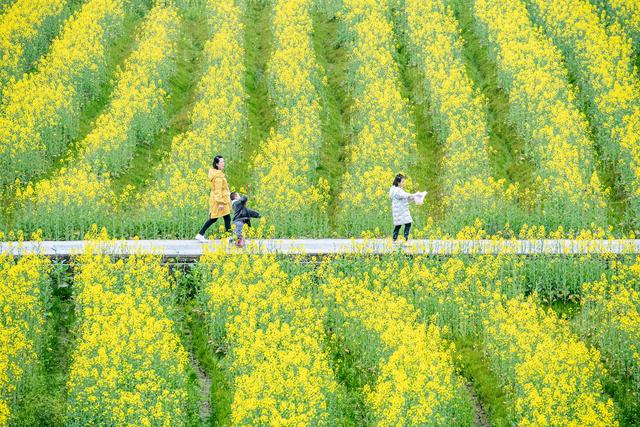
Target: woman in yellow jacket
[{"x": 219, "y": 200}]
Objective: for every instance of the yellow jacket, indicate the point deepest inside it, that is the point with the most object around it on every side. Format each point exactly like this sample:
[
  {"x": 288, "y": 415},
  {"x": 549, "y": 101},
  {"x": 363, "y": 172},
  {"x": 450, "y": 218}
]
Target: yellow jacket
[{"x": 219, "y": 194}]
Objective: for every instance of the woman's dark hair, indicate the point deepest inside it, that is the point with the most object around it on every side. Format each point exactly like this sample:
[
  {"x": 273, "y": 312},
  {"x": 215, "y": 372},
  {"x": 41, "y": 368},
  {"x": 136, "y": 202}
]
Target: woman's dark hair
[
  {"x": 398, "y": 179},
  {"x": 216, "y": 160}
]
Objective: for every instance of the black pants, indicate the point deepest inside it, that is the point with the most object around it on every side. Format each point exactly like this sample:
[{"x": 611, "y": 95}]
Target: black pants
[
  {"x": 210, "y": 221},
  {"x": 396, "y": 230}
]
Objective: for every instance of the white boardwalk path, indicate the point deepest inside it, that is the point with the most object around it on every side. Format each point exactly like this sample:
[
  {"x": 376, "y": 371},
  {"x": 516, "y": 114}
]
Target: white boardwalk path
[{"x": 194, "y": 249}]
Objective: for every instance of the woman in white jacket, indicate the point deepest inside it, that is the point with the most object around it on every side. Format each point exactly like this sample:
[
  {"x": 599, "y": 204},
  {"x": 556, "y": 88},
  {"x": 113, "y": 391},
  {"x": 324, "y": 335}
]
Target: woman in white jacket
[{"x": 400, "y": 207}]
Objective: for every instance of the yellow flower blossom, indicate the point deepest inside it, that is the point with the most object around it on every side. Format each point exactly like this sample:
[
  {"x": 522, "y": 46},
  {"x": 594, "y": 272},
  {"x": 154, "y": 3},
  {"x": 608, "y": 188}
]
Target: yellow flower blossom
[
  {"x": 601, "y": 58},
  {"x": 77, "y": 196},
  {"x": 25, "y": 29},
  {"x": 286, "y": 162},
  {"x": 24, "y": 296},
  {"x": 48, "y": 101},
  {"x": 178, "y": 194},
  {"x": 384, "y": 139},
  {"x": 469, "y": 190},
  {"x": 272, "y": 332},
  {"x": 542, "y": 109},
  {"x": 129, "y": 364},
  {"x": 611, "y": 317},
  {"x": 417, "y": 383}
]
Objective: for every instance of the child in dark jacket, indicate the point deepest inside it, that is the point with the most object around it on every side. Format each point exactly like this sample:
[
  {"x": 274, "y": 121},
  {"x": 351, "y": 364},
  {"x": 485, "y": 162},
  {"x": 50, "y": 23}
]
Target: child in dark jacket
[{"x": 241, "y": 215}]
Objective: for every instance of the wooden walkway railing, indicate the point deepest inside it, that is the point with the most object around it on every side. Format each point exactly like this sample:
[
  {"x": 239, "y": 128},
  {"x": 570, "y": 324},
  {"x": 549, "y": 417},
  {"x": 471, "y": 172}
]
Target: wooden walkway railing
[{"x": 186, "y": 249}]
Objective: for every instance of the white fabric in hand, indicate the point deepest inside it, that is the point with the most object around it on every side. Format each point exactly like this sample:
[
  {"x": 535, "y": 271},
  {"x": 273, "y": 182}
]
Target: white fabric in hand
[{"x": 419, "y": 197}]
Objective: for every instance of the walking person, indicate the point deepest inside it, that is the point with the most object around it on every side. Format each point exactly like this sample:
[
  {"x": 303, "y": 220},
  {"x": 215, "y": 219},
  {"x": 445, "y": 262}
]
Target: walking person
[
  {"x": 400, "y": 207},
  {"x": 219, "y": 199}
]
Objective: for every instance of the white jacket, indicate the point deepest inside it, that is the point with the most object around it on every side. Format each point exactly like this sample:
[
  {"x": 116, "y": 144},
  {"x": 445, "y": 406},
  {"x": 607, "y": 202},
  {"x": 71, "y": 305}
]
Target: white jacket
[{"x": 400, "y": 205}]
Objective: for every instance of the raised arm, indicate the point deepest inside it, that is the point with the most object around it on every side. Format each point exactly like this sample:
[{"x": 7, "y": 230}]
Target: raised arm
[
  {"x": 401, "y": 194},
  {"x": 253, "y": 214}
]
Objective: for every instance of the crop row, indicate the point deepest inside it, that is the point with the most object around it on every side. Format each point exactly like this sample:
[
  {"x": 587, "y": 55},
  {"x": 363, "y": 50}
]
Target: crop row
[
  {"x": 285, "y": 166},
  {"x": 416, "y": 382},
  {"x": 434, "y": 39},
  {"x": 26, "y": 28},
  {"x": 24, "y": 300},
  {"x": 40, "y": 112},
  {"x": 81, "y": 193},
  {"x": 272, "y": 334},
  {"x": 176, "y": 200},
  {"x": 384, "y": 142},
  {"x": 601, "y": 59},
  {"x": 128, "y": 366},
  {"x": 275, "y": 323},
  {"x": 543, "y": 111},
  {"x": 551, "y": 376}
]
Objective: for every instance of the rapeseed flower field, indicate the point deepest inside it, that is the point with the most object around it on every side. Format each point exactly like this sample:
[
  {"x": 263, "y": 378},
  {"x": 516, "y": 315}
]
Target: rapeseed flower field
[{"x": 520, "y": 117}]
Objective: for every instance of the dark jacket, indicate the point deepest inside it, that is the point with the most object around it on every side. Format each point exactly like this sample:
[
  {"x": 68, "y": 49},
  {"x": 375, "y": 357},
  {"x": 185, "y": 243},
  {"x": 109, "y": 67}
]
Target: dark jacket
[{"x": 241, "y": 212}]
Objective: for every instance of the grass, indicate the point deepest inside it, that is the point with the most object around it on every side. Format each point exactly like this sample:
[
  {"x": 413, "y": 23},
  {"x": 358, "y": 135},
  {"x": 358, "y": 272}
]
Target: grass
[
  {"x": 183, "y": 83},
  {"x": 426, "y": 172},
  {"x": 507, "y": 149},
  {"x": 625, "y": 397},
  {"x": 332, "y": 55},
  {"x": 218, "y": 402},
  {"x": 209, "y": 360},
  {"x": 352, "y": 375},
  {"x": 471, "y": 363},
  {"x": 260, "y": 109}
]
